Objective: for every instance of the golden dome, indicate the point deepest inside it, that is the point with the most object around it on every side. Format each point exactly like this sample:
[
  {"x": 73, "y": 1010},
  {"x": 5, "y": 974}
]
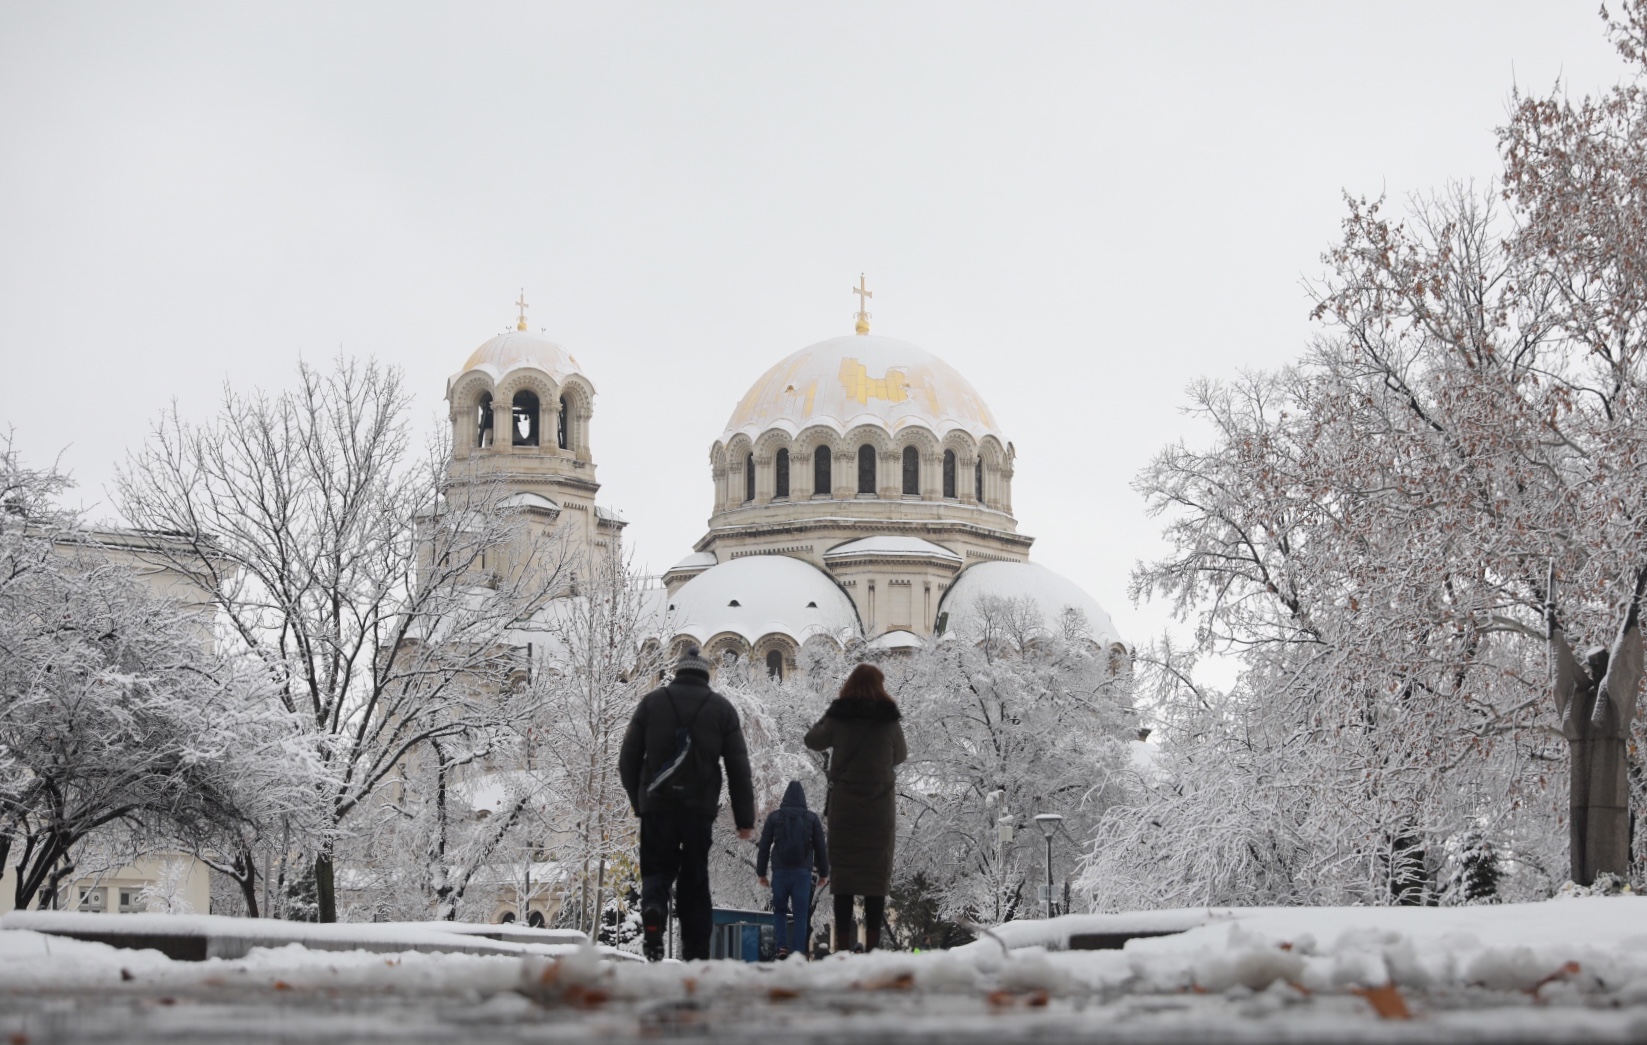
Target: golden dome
[{"x": 862, "y": 379}]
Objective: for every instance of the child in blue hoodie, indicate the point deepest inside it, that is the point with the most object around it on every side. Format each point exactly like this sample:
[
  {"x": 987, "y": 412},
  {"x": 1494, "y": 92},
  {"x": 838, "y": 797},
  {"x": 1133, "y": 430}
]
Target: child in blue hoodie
[{"x": 793, "y": 838}]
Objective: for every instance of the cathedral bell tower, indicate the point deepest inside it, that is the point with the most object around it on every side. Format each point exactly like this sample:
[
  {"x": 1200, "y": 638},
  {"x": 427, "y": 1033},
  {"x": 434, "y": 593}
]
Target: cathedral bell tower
[{"x": 520, "y": 410}]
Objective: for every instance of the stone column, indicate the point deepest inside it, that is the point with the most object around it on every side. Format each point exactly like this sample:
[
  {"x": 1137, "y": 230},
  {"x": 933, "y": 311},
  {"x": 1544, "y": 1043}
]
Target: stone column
[
  {"x": 966, "y": 483},
  {"x": 719, "y": 473},
  {"x": 800, "y": 475},
  {"x": 845, "y": 475},
  {"x": 763, "y": 479},
  {"x": 889, "y": 475},
  {"x": 932, "y": 476}
]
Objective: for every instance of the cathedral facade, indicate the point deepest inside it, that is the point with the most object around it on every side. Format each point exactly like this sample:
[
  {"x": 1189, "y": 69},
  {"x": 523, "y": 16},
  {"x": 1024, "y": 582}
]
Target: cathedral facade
[{"x": 860, "y": 491}]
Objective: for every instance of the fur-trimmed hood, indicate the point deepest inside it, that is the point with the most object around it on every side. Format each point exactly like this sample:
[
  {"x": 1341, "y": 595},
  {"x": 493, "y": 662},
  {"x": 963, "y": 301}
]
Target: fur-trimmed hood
[{"x": 848, "y": 708}]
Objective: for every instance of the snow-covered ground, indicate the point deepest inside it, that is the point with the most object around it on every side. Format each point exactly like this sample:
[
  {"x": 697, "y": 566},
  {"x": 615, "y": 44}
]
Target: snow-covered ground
[{"x": 1571, "y": 969}]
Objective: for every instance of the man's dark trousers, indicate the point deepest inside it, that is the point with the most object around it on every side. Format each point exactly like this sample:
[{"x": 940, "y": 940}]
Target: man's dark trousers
[{"x": 674, "y": 850}]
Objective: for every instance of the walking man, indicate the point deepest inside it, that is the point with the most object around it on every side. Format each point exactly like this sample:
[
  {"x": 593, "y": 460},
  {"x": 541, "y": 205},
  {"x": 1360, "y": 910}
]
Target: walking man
[
  {"x": 671, "y": 766},
  {"x": 793, "y": 836}
]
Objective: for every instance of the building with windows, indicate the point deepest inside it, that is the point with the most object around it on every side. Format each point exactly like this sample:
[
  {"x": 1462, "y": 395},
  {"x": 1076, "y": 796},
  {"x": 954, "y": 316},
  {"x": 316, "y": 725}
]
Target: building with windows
[
  {"x": 862, "y": 489},
  {"x": 520, "y": 411}
]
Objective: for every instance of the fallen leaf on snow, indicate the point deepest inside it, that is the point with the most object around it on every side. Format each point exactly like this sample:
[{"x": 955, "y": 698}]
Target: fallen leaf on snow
[
  {"x": 1386, "y": 1000},
  {"x": 902, "y": 981}
]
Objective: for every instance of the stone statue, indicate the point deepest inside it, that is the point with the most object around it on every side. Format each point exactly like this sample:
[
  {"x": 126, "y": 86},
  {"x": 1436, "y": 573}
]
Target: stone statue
[{"x": 1597, "y": 703}]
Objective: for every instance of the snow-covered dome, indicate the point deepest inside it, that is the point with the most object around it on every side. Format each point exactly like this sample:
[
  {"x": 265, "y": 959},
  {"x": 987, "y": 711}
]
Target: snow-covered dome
[
  {"x": 1051, "y": 594},
  {"x": 762, "y": 595},
  {"x": 515, "y": 349},
  {"x": 891, "y": 546},
  {"x": 862, "y": 379}
]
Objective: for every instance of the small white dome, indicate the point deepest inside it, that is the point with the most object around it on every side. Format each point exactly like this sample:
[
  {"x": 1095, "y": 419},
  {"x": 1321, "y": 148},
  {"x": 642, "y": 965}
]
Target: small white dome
[
  {"x": 854, "y": 380},
  {"x": 762, "y": 595},
  {"x": 515, "y": 349},
  {"x": 891, "y": 546},
  {"x": 1050, "y": 593}
]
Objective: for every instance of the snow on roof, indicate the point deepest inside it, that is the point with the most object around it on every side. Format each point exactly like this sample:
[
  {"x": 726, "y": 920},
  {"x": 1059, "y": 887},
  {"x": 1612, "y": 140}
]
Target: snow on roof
[
  {"x": 899, "y": 639},
  {"x": 526, "y": 499},
  {"x": 853, "y": 380},
  {"x": 886, "y": 545},
  {"x": 611, "y": 514},
  {"x": 695, "y": 561},
  {"x": 517, "y": 349},
  {"x": 763, "y": 595},
  {"x": 1050, "y": 593}
]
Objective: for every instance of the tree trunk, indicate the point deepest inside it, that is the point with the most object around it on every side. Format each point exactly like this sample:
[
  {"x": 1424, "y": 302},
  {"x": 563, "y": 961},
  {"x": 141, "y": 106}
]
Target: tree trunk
[
  {"x": 325, "y": 891},
  {"x": 247, "y": 866}
]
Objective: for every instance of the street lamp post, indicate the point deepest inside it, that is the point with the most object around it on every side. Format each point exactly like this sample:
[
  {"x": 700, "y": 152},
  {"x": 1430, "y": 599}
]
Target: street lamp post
[{"x": 1049, "y": 824}]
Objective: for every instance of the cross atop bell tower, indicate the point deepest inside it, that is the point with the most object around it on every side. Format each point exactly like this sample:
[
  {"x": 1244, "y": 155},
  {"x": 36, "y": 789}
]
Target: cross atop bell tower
[{"x": 521, "y": 301}]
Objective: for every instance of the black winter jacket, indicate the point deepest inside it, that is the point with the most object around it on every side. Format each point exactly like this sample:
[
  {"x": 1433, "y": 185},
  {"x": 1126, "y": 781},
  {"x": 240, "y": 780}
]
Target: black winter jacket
[
  {"x": 794, "y": 798},
  {"x": 717, "y": 736}
]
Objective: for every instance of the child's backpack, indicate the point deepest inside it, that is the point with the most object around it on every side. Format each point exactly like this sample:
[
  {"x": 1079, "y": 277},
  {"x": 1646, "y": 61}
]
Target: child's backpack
[{"x": 792, "y": 838}]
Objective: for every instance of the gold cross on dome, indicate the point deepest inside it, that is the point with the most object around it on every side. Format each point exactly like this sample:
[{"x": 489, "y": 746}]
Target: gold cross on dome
[
  {"x": 521, "y": 301},
  {"x": 864, "y": 294}
]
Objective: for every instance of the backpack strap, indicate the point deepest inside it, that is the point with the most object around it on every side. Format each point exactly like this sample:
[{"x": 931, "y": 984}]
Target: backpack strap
[{"x": 675, "y": 711}]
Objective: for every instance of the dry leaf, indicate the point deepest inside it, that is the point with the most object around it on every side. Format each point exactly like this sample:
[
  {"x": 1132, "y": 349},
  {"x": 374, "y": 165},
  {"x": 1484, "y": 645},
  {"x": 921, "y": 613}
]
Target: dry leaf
[
  {"x": 1566, "y": 970},
  {"x": 580, "y": 997},
  {"x": 903, "y": 981},
  {"x": 1386, "y": 1000}
]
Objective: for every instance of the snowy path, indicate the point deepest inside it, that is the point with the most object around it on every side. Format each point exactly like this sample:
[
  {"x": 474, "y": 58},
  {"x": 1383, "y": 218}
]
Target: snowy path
[{"x": 1559, "y": 971}]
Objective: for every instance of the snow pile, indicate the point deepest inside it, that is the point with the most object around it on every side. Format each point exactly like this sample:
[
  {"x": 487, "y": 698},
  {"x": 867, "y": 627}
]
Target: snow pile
[{"x": 1541, "y": 970}]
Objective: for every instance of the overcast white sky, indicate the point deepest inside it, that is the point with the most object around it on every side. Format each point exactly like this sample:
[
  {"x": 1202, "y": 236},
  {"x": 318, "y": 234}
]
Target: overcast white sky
[{"x": 1081, "y": 207}]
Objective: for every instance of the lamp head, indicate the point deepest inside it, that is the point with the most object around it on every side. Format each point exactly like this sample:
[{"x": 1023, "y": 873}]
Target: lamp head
[{"x": 1048, "y": 822}]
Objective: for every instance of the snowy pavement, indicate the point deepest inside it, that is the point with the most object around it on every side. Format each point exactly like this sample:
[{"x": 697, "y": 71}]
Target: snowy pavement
[{"x": 1565, "y": 970}]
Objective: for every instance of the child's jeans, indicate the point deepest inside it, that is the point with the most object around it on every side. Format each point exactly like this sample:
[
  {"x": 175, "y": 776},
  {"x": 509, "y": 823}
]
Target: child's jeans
[{"x": 792, "y": 891}]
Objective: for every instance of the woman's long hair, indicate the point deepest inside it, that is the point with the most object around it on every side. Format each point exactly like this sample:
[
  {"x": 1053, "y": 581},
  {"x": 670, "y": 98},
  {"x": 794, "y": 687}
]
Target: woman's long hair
[{"x": 865, "y": 683}]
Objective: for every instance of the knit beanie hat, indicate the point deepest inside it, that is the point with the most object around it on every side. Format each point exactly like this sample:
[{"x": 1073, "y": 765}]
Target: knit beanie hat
[{"x": 692, "y": 660}]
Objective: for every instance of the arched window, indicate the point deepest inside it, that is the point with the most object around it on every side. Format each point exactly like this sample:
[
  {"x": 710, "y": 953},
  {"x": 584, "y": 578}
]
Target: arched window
[
  {"x": 748, "y": 478},
  {"x": 823, "y": 478},
  {"x": 535, "y": 920},
  {"x": 866, "y": 469},
  {"x": 780, "y": 475},
  {"x": 774, "y": 664},
  {"x": 483, "y": 420},
  {"x": 978, "y": 481},
  {"x": 949, "y": 474},
  {"x": 508, "y": 918},
  {"x": 912, "y": 472},
  {"x": 525, "y": 416},
  {"x": 560, "y": 427}
]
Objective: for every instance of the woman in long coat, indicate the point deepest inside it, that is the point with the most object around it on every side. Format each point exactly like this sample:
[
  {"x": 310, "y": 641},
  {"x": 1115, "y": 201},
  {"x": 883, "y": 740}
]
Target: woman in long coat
[{"x": 861, "y": 730}]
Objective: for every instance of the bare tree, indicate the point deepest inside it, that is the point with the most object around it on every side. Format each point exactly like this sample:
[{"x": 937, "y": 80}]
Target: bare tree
[
  {"x": 378, "y": 589},
  {"x": 600, "y": 657}
]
